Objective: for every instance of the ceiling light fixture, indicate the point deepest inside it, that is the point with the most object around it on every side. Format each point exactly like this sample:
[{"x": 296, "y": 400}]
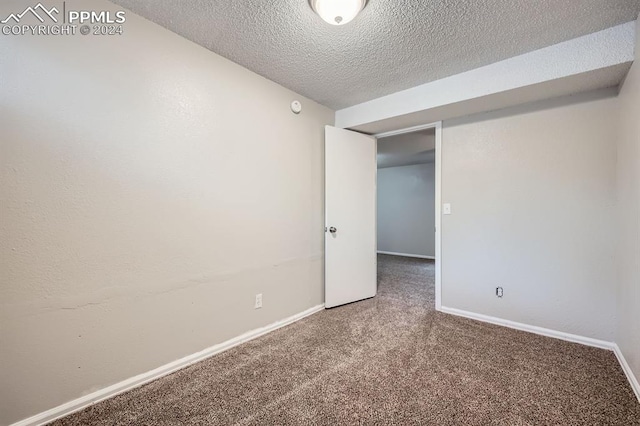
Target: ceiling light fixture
[{"x": 337, "y": 12}]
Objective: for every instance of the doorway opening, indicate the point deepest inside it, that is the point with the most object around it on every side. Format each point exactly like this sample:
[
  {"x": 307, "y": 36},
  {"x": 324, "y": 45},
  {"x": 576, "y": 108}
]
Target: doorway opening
[
  {"x": 408, "y": 210},
  {"x": 351, "y": 246}
]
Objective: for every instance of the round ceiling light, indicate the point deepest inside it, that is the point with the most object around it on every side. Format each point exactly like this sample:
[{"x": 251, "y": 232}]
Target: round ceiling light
[{"x": 338, "y": 12}]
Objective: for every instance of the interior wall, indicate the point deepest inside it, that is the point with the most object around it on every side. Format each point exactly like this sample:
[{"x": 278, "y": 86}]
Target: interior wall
[
  {"x": 532, "y": 191},
  {"x": 628, "y": 218},
  {"x": 150, "y": 189},
  {"x": 406, "y": 209}
]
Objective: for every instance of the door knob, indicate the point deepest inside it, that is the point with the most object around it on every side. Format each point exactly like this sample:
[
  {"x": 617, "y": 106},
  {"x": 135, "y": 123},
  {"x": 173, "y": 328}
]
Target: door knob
[{"x": 333, "y": 230}]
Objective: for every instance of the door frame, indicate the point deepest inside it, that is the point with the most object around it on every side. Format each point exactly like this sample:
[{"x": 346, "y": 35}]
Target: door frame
[{"x": 438, "y": 196}]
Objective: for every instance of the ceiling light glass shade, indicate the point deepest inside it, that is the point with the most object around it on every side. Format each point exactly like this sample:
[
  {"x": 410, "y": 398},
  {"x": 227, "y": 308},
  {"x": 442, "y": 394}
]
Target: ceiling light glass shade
[{"x": 338, "y": 12}]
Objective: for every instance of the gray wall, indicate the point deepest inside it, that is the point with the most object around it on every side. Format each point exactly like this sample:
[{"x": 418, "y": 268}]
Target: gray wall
[
  {"x": 628, "y": 218},
  {"x": 150, "y": 189},
  {"x": 532, "y": 191},
  {"x": 406, "y": 209}
]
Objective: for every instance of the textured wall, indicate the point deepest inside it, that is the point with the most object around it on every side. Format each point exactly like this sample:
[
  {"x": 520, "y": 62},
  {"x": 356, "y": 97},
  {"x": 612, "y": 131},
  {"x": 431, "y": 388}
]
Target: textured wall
[
  {"x": 149, "y": 190},
  {"x": 406, "y": 209},
  {"x": 628, "y": 330},
  {"x": 533, "y": 192}
]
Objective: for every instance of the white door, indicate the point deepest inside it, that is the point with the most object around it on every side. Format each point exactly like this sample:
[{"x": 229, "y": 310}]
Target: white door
[{"x": 350, "y": 217}]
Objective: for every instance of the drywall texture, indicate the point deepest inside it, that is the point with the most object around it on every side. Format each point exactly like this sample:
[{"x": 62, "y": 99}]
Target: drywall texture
[
  {"x": 390, "y": 46},
  {"x": 628, "y": 219},
  {"x": 150, "y": 189},
  {"x": 532, "y": 191},
  {"x": 406, "y": 209}
]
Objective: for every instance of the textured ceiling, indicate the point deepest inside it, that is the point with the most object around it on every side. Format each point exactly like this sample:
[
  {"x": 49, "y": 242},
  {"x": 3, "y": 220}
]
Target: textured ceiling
[
  {"x": 407, "y": 149},
  {"x": 391, "y": 46}
]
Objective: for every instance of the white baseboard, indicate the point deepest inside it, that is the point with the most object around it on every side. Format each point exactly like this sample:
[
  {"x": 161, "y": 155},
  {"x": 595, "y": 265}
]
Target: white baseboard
[
  {"x": 139, "y": 380},
  {"x": 588, "y": 341},
  {"x": 418, "y": 256},
  {"x": 627, "y": 371}
]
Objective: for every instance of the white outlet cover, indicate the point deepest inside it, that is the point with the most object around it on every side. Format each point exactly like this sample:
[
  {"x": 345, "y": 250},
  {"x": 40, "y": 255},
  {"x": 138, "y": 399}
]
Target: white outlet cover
[{"x": 446, "y": 208}]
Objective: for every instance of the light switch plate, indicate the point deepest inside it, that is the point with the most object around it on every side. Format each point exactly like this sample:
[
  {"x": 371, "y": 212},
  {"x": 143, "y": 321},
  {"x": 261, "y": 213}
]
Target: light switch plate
[{"x": 446, "y": 208}]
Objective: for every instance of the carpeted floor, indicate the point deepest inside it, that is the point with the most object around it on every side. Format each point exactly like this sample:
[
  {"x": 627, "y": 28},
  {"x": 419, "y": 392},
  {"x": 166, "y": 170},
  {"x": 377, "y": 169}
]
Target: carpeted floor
[{"x": 391, "y": 360}]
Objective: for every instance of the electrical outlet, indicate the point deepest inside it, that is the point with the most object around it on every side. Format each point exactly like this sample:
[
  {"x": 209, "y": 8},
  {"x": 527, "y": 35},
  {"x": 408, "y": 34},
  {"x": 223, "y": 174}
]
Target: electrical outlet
[
  {"x": 258, "y": 304},
  {"x": 499, "y": 291}
]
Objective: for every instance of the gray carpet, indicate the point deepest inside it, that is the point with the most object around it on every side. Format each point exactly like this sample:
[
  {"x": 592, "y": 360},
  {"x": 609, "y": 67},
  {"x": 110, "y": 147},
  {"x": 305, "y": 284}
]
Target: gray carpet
[{"x": 391, "y": 360}]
